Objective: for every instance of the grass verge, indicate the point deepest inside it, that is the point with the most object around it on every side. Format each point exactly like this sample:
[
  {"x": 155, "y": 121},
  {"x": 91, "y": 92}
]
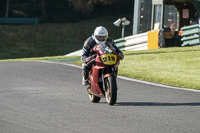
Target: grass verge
[
  {"x": 25, "y": 41},
  {"x": 171, "y": 66}
]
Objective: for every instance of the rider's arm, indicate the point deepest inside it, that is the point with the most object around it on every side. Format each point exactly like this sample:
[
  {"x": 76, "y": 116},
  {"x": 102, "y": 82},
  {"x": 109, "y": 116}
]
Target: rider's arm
[
  {"x": 110, "y": 40},
  {"x": 86, "y": 49}
]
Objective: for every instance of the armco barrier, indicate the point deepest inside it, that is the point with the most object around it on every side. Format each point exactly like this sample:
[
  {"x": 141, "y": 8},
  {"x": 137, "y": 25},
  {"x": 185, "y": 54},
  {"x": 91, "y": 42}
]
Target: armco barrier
[
  {"x": 190, "y": 35},
  {"x": 134, "y": 43},
  {"x": 76, "y": 53}
]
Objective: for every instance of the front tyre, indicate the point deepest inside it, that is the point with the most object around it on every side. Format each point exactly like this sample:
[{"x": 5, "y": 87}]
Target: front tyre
[
  {"x": 94, "y": 98},
  {"x": 111, "y": 90}
]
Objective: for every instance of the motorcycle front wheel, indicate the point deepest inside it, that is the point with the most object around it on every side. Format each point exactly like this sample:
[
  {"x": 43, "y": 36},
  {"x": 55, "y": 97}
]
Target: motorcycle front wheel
[
  {"x": 94, "y": 98},
  {"x": 111, "y": 90}
]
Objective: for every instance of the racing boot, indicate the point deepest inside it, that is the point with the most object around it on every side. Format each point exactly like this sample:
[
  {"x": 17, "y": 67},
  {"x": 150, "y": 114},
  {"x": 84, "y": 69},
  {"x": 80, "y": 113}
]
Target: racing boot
[{"x": 84, "y": 78}]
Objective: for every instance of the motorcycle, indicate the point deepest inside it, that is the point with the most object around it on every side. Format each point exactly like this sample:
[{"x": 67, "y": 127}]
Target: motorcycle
[{"x": 103, "y": 74}]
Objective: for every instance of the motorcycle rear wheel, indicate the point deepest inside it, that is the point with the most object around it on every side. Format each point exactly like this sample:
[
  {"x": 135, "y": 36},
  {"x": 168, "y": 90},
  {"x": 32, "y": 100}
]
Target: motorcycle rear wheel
[
  {"x": 94, "y": 98},
  {"x": 111, "y": 91}
]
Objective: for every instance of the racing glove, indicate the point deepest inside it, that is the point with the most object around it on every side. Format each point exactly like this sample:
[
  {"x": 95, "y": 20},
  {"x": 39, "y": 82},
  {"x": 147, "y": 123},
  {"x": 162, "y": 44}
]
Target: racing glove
[
  {"x": 121, "y": 56},
  {"x": 88, "y": 59}
]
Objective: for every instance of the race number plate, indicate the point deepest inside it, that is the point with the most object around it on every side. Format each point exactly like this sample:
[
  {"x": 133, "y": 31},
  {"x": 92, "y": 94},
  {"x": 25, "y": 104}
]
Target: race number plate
[{"x": 109, "y": 59}]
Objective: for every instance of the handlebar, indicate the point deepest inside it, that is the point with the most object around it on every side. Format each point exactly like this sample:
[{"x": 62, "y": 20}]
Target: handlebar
[{"x": 90, "y": 62}]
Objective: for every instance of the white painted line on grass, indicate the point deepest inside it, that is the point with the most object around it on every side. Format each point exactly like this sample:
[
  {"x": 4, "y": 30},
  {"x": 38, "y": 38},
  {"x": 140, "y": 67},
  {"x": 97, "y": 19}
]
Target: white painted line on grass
[
  {"x": 131, "y": 79},
  {"x": 66, "y": 64},
  {"x": 156, "y": 84}
]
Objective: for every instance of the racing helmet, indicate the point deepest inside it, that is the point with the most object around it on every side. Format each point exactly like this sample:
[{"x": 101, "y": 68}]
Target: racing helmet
[{"x": 100, "y": 34}]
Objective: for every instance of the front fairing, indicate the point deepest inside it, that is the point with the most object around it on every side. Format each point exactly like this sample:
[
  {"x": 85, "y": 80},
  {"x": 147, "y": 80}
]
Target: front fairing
[{"x": 106, "y": 55}]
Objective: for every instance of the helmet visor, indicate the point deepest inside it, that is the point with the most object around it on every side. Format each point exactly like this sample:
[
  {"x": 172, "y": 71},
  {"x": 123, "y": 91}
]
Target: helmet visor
[{"x": 101, "y": 38}]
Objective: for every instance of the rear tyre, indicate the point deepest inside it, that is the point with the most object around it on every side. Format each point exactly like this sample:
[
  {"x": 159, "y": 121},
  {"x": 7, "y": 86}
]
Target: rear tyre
[
  {"x": 111, "y": 90},
  {"x": 94, "y": 98}
]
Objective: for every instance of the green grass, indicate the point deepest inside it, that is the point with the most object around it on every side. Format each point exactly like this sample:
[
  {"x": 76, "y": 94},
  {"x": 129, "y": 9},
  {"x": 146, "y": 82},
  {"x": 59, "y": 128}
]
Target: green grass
[
  {"x": 64, "y": 59},
  {"x": 172, "y": 66},
  {"x": 22, "y": 41}
]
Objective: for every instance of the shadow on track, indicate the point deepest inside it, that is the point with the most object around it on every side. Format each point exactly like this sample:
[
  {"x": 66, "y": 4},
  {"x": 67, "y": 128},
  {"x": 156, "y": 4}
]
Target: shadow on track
[{"x": 155, "y": 104}]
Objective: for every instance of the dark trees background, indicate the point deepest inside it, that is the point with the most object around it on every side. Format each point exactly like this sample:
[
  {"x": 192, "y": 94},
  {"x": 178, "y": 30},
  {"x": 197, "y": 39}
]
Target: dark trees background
[{"x": 51, "y": 11}]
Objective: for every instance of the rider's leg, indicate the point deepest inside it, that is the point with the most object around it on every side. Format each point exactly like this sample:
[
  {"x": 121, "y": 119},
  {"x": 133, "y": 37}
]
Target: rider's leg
[{"x": 85, "y": 73}]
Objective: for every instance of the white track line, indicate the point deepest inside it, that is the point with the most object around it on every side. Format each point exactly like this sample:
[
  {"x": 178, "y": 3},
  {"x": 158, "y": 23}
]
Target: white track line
[
  {"x": 156, "y": 84},
  {"x": 130, "y": 79}
]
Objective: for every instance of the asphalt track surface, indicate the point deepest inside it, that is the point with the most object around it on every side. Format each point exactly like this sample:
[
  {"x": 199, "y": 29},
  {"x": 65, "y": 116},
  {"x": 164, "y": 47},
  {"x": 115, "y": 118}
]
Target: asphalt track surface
[{"x": 39, "y": 97}]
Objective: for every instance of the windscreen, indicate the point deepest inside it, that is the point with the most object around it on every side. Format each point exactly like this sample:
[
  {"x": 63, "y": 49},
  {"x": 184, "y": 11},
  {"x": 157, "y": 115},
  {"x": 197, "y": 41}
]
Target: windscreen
[{"x": 106, "y": 47}]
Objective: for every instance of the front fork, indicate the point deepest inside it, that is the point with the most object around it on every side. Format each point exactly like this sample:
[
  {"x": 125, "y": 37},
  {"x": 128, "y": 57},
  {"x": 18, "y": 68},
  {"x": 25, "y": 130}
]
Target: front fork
[{"x": 113, "y": 72}]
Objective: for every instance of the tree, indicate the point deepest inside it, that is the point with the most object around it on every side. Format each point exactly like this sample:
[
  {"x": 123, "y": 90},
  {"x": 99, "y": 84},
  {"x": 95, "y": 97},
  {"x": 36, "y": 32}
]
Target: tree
[
  {"x": 7, "y": 8},
  {"x": 86, "y": 6},
  {"x": 43, "y": 6},
  {"x": 63, "y": 10}
]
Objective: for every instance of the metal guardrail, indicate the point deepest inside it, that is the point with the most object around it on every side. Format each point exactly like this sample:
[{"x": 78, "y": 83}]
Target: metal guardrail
[
  {"x": 133, "y": 43},
  {"x": 190, "y": 35},
  {"x": 19, "y": 21}
]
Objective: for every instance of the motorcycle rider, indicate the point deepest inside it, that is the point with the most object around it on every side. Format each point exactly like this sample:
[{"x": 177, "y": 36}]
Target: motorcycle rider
[{"x": 99, "y": 37}]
